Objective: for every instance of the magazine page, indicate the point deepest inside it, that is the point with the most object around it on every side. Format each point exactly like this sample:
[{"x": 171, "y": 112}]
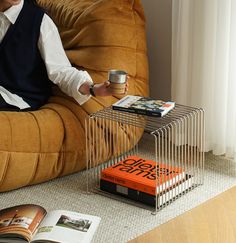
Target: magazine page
[
  {"x": 67, "y": 227},
  {"x": 19, "y": 223},
  {"x": 127, "y": 101}
]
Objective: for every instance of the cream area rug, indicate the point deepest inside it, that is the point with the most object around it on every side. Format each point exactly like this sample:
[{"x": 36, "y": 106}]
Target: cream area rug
[{"x": 121, "y": 222}]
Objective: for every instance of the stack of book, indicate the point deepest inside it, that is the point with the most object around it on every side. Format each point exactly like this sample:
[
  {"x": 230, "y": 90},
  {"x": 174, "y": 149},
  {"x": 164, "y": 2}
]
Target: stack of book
[
  {"x": 145, "y": 181},
  {"x": 144, "y": 106}
]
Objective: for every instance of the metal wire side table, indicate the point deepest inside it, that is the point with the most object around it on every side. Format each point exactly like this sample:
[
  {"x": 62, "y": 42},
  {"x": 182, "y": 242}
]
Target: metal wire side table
[{"x": 176, "y": 140}]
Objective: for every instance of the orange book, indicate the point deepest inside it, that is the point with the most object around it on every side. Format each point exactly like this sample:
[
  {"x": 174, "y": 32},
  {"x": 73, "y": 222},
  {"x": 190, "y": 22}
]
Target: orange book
[{"x": 143, "y": 175}]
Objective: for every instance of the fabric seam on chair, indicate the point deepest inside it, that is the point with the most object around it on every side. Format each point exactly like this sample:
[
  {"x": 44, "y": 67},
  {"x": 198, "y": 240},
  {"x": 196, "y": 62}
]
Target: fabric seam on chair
[
  {"x": 35, "y": 152},
  {"x": 4, "y": 113},
  {"x": 5, "y": 169},
  {"x": 35, "y": 169},
  {"x": 110, "y": 46},
  {"x": 62, "y": 149},
  {"x": 79, "y": 26},
  {"x": 39, "y": 130}
]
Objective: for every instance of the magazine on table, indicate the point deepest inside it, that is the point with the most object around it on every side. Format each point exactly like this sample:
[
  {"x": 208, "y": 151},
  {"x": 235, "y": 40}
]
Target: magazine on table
[
  {"x": 31, "y": 223},
  {"x": 143, "y": 105}
]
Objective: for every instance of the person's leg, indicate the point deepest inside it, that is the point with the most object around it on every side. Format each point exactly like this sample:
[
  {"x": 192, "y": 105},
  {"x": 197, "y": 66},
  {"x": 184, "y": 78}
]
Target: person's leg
[{"x": 6, "y": 107}]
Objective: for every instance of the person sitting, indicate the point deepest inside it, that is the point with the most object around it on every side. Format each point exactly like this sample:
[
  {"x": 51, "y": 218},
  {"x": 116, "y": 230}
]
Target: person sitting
[{"x": 32, "y": 59}]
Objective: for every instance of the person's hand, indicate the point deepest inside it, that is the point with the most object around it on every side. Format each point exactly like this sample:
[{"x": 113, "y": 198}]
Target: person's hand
[{"x": 104, "y": 90}]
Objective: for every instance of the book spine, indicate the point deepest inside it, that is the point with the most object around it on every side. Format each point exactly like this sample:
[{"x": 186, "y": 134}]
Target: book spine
[
  {"x": 138, "y": 111},
  {"x": 117, "y": 108},
  {"x": 117, "y": 189},
  {"x": 146, "y": 198},
  {"x": 148, "y": 113},
  {"x": 129, "y": 183},
  {"x": 175, "y": 191},
  {"x": 128, "y": 193},
  {"x": 166, "y": 196},
  {"x": 150, "y": 189}
]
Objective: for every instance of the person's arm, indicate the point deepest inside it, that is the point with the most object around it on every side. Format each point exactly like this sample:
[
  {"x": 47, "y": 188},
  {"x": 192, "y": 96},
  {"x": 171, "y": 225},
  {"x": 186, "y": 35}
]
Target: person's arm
[
  {"x": 97, "y": 90},
  {"x": 73, "y": 82}
]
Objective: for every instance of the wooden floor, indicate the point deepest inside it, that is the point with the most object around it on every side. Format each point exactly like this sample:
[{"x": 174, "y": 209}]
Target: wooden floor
[{"x": 211, "y": 222}]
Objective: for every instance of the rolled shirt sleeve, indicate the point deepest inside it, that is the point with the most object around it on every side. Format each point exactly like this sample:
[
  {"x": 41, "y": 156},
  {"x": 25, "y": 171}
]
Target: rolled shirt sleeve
[{"x": 59, "y": 68}]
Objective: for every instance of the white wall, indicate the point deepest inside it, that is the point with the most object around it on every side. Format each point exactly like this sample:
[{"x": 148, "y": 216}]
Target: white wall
[{"x": 158, "y": 26}]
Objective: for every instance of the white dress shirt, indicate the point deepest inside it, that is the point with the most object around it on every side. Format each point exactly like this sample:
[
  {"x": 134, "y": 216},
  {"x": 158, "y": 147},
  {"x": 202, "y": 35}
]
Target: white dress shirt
[{"x": 59, "y": 69}]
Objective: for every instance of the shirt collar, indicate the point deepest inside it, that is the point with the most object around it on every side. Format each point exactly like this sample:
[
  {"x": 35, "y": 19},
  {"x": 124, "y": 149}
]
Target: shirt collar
[{"x": 13, "y": 12}]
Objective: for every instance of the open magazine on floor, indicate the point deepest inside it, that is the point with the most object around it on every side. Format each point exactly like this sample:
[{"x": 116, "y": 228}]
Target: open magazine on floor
[{"x": 31, "y": 223}]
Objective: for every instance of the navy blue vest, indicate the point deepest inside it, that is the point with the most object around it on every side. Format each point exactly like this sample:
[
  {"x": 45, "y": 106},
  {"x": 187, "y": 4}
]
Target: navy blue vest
[{"x": 22, "y": 70}]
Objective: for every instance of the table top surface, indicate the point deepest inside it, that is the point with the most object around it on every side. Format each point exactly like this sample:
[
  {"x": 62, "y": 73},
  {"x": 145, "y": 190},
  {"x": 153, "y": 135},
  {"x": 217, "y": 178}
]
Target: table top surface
[{"x": 179, "y": 114}]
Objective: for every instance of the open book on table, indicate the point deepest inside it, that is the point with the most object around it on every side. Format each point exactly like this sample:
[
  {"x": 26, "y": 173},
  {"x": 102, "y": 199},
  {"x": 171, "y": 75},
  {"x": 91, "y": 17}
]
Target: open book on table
[{"x": 31, "y": 223}]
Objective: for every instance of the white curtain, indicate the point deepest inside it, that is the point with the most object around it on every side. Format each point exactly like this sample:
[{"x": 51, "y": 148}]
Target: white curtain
[{"x": 204, "y": 66}]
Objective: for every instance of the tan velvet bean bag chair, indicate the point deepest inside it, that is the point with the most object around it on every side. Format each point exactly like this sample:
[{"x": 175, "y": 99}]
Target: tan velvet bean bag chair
[{"x": 98, "y": 35}]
